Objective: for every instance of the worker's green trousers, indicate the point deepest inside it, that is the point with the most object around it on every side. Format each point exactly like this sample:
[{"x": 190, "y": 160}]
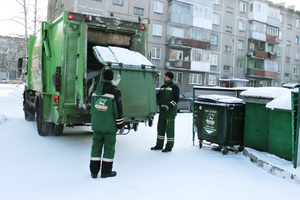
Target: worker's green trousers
[
  {"x": 105, "y": 141},
  {"x": 165, "y": 126}
]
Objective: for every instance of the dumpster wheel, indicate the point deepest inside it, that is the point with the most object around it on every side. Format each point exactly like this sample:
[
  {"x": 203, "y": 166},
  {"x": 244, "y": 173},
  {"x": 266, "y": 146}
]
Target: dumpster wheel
[
  {"x": 200, "y": 144},
  {"x": 135, "y": 126},
  {"x": 224, "y": 150}
]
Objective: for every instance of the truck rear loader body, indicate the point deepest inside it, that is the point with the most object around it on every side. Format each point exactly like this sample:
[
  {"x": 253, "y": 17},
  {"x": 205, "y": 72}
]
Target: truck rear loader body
[{"x": 63, "y": 70}]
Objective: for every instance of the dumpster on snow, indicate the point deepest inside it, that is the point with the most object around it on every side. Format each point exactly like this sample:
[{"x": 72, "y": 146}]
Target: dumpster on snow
[
  {"x": 220, "y": 120},
  {"x": 257, "y": 116}
]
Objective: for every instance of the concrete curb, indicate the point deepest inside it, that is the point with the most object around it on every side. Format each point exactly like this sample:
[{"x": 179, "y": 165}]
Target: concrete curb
[{"x": 272, "y": 169}]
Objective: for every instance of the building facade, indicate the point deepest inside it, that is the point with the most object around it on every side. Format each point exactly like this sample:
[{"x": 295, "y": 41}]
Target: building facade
[{"x": 229, "y": 43}]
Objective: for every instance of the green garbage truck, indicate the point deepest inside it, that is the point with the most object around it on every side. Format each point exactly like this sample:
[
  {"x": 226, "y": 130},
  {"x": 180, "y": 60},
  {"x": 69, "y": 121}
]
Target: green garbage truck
[{"x": 63, "y": 67}]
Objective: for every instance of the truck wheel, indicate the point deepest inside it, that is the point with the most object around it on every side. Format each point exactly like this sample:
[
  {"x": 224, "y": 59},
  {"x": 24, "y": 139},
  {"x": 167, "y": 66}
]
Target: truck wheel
[
  {"x": 27, "y": 109},
  {"x": 44, "y": 128},
  {"x": 58, "y": 129}
]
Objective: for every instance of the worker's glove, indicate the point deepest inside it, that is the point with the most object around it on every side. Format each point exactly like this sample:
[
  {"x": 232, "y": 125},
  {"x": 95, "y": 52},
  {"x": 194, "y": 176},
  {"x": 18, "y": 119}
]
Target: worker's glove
[
  {"x": 119, "y": 123},
  {"x": 164, "y": 108},
  {"x": 120, "y": 126}
]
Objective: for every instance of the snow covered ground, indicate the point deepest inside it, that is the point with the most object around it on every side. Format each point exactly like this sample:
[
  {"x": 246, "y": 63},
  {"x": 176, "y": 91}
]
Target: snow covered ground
[{"x": 35, "y": 167}]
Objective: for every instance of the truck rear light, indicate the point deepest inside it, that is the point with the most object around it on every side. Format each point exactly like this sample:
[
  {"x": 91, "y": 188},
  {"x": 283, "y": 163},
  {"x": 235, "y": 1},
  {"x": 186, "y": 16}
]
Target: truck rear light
[
  {"x": 70, "y": 17},
  {"x": 143, "y": 27},
  {"x": 56, "y": 100}
]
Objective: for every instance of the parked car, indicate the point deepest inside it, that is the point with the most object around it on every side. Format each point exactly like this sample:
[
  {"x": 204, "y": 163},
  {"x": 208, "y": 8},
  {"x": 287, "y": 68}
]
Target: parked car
[
  {"x": 184, "y": 104},
  {"x": 290, "y": 85}
]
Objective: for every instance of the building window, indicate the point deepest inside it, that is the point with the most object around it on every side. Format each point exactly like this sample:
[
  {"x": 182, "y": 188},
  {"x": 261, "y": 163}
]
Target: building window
[
  {"x": 56, "y": 5},
  {"x": 157, "y": 30},
  {"x": 280, "y": 35},
  {"x": 214, "y": 59},
  {"x": 177, "y": 77},
  {"x": 279, "y": 51},
  {"x": 63, "y": 2},
  {"x": 297, "y": 55},
  {"x": 175, "y": 55},
  {"x": 195, "y": 79},
  {"x": 214, "y": 40},
  {"x": 177, "y": 32},
  {"x": 138, "y": 11},
  {"x": 242, "y": 26},
  {"x": 158, "y": 7},
  {"x": 243, "y": 7},
  {"x": 288, "y": 59},
  {"x": 228, "y": 29},
  {"x": 240, "y": 63},
  {"x": 206, "y": 56},
  {"x": 289, "y": 26},
  {"x": 298, "y": 24},
  {"x": 297, "y": 39},
  {"x": 155, "y": 53},
  {"x": 288, "y": 43},
  {"x": 118, "y": 2},
  {"x": 196, "y": 55},
  {"x": 273, "y": 31},
  {"x": 226, "y": 68},
  {"x": 241, "y": 44},
  {"x": 217, "y": 2},
  {"x": 229, "y": 9},
  {"x": 286, "y": 75},
  {"x": 216, "y": 19},
  {"x": 228, "y": 48},
  {"x": 212, "y": 79},
  {"x": 296, "y": 71}
]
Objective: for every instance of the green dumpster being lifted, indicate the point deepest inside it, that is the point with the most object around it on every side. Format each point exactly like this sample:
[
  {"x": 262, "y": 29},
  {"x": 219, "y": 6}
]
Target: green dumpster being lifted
[{"x": 135, "y": 76}]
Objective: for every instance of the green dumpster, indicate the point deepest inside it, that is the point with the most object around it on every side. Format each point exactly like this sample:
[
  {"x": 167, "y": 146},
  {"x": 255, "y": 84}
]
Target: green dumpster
[
  {"x": 257, "y": 116},
  {"x": 281, "y": 128},
  {"x": 135, "y": 76},
  {"x": 220, "y": 120}
]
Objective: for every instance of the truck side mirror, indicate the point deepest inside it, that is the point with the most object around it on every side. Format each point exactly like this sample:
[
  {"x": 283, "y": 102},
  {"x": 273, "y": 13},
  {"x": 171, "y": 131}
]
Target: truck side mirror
[{"x": 20, "y": 65}]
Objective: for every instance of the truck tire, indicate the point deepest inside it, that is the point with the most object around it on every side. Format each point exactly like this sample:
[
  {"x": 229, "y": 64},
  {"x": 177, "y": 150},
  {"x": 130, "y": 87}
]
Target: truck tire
[
  {"x": 27, "y": 108},
  {"x": 44, "y": 128},
  {"x": 57, "y": 129}
]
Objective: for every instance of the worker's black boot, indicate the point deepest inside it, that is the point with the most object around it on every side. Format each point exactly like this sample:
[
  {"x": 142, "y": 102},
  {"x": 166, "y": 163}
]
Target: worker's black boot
[
  {"x": 106, "y": 170},
  {"x": 94, "y": 168}
]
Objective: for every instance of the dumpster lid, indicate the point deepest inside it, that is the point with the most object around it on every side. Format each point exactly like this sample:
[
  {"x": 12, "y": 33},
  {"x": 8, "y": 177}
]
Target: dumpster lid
[
  {"x": 219, "y": 98},
  {"x": 264, "y": 92},
  {"x": 283, "y": 102},
  {"x": 116, "y": 55}
]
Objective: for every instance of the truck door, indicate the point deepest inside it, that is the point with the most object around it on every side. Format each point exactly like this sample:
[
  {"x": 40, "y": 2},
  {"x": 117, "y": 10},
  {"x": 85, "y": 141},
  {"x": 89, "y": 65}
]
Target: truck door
[{"x": 74, "y": 65}]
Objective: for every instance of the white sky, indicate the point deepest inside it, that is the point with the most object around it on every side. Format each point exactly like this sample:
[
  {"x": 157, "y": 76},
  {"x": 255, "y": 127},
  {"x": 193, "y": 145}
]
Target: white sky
[{"x": 9, "y": 9}]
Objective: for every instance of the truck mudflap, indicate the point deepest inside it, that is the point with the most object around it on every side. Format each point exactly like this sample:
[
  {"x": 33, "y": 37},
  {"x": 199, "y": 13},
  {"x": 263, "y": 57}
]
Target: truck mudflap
[{"x": 135, "y": 76}]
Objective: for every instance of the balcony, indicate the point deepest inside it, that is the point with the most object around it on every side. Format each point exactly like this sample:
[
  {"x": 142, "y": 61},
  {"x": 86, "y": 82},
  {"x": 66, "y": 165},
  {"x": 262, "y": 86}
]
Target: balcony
[
  {"x": 178, "y": 64},
  {"x": 272, "y": 39},
  {"x": 261, "y": 73},
  {"x": 262, "y": 55},
  {"x": 174, "y": 41}
]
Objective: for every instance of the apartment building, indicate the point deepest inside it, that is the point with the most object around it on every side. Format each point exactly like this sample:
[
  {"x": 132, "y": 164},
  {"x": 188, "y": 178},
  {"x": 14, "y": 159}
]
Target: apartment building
[{"x": 229, "y": 43}]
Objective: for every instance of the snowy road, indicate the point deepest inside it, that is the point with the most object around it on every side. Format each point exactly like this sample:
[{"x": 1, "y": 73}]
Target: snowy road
[{"x": 35, "y": 167}]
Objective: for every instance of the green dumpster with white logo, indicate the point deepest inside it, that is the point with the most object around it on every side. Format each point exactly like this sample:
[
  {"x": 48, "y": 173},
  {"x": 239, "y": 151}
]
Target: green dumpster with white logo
[
  {"x": 135, "y": 76},
  {"x": 220, "y": 120}
]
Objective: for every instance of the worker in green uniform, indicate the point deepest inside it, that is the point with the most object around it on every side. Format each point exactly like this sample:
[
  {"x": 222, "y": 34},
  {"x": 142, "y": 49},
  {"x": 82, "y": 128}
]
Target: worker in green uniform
[
  {"x": 167, "y": 99},
  {"x": 107, "y": 118}
]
